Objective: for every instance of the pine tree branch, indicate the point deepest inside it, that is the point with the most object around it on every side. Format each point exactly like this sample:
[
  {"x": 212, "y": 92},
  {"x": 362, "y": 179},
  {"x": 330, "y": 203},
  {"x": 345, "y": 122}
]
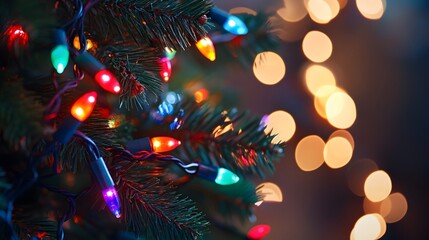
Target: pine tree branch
[
  {"x": 227, "y": 201},
  {"x": 28, "y": 222},
  {"x": 75, "y": 155},
  {"x": 151, "y": 208},
  {"x": 20, "y": 115},
  {"x": 167, "y": 23},
  {"x": 239, "y": 144},
  {"x": 137, "y": 68}
]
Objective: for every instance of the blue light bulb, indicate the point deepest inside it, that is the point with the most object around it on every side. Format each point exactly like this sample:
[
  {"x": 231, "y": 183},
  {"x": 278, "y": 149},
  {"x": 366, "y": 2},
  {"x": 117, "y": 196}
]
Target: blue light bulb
[{"x": 235, "y": 26}]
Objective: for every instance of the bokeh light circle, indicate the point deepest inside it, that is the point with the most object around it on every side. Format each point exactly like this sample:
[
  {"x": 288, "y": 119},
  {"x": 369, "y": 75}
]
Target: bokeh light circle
[
  {"x": 241, "y": 10},
  {"x": 282, "y": 124},
  {"x": 294, "y": 11},
  {"x": 309, "y": 153},
  {"x": 377, "y": 186},
  {"x": 340, "y": 110},
  {"x": 337, "y": 152},
  {"x": 317, "y": 76},
  {"x": 371, "y": 9},
  {"x": 394, "y": 207},
  {"x": 269, "y": 68},
  {"x": 317, "y": 46},
  {"x": 271, "y": 192},
  {"x": 322, "y": 11},
  {"x": 322, "y": 96},
  {"x": 369, "y": 226}
]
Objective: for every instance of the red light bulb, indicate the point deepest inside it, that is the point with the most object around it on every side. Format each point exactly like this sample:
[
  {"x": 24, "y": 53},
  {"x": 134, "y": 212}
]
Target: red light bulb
[
  {"x": 16, "y": 32},
  {"x": 107, "y": 81},
  {"x": 258, "y": 232},
  {"x": 164, "y": 144},
  {"x": 166, "y": 68},
  {"x": 83, "y": 107}
]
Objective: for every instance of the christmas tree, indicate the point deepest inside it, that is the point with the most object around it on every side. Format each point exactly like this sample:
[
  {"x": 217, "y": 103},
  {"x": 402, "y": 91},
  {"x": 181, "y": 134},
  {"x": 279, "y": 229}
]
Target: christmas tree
[{"x": 100, "y": 141}]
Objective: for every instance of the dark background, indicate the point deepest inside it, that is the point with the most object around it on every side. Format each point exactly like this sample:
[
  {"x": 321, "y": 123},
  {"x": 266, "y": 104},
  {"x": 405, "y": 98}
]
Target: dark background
[{"x": 384, "y": 66}]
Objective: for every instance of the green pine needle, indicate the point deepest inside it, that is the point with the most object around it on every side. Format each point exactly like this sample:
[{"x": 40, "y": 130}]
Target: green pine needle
[
  {"x": 223, "y": 201},
  {"x": 137, "y": 68},
  {"x": 239, "y": 144},
  {"x": 28, "y": 222},
  {"x": 167, "y": 23},
  {"x": 152, "y": 208}
]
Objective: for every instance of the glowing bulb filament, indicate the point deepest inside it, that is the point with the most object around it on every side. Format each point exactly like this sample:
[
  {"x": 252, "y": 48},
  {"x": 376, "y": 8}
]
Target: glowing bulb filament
[
  {"x": 112, "y": 201},
  {"x": 107, "y": 81},
  {"x": 60, "y": 58},
  {"x": 164, "y": 144},
  {"x": 83, "y": 107}
]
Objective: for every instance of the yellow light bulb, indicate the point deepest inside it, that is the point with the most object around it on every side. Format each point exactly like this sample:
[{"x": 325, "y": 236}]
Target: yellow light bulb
[
  {"x": 206, "y": 48},
  {"x": 89, "y": 43}
]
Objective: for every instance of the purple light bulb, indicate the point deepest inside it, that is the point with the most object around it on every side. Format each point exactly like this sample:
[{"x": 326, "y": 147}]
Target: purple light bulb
[{"x": 112, "y": 201}]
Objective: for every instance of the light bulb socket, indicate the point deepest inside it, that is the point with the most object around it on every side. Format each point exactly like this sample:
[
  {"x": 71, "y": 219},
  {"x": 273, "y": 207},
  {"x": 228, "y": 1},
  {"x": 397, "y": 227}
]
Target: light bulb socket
[
  {"x": 137, "y": 145},
  {"x": 218, "y": 15},
  {"x": 101, "y": 173},
  {"x": 207, "y": 172},
  {"x": 59, "y": 37},
  {"x": 66, "y": 130},
  {"x": 89, "y": 63}
]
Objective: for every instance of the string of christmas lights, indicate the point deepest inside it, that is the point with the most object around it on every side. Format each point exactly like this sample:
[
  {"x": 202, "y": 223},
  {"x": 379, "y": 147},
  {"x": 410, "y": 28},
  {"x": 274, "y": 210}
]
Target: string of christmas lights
[{"x": 69, "y": 56}]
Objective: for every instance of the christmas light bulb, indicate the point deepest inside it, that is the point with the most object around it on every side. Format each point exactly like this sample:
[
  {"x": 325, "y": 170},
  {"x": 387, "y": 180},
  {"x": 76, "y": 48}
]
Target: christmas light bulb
[
  {"x": 112, "y": 201},
  {"x": 226, "y": 177},
  {"x": 60, "y": 58},
  {"x": 107, "y": 81},
  {"x": 98, "y": 71},
  {"x": 229, "y": 22},
  {"x": 221, "y": 176},
  {"x": 170, "y": 53},
  {"x": 83, "y": 107},
  {"x": 105, "y": 182},
  {"x": 80, "y": 111},
  {"x": 16, "y": 32},
  {"x": 76, "y": 43},
  {"x": 60, "y": 53},
  {"x": 234, "y": 25},
  {"x": 206, "y": 48},
  {"x": 165, "y": 69},
  {"x": 155, "y": 144},
  {"x": 164, "y": 144},
  {"x": 258, "y": 232}
]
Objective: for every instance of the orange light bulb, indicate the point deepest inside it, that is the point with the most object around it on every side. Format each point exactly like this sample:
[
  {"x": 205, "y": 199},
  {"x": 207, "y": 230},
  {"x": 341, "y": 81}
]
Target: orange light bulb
[
  {"x": 206, "y": 48},
  {"x": 164, "y": 144},
  {"x": 83, "y": 107}
]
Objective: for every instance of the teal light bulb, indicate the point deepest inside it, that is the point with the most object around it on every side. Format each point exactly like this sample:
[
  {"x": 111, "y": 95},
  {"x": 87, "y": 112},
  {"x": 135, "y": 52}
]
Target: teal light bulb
[
  {"x": 170, "y": 53},
  {"x": 60, "y": 58},
  {"x": 226, "y": 177}
]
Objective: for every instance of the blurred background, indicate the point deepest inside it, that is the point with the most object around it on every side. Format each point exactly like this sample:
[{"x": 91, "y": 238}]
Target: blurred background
[{"x": 348, "y": 90}]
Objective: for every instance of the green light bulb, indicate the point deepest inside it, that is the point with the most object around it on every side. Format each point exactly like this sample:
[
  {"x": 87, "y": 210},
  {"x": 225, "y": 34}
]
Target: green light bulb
[
  {"x": 60, "y": 58},
  {"x": 170, "y": 53},
  {"x": 226, "y": 177}
]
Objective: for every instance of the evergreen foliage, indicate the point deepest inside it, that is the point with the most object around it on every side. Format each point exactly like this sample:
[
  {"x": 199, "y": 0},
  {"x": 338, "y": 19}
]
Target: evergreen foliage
[{"x": 159, "y": 199}]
